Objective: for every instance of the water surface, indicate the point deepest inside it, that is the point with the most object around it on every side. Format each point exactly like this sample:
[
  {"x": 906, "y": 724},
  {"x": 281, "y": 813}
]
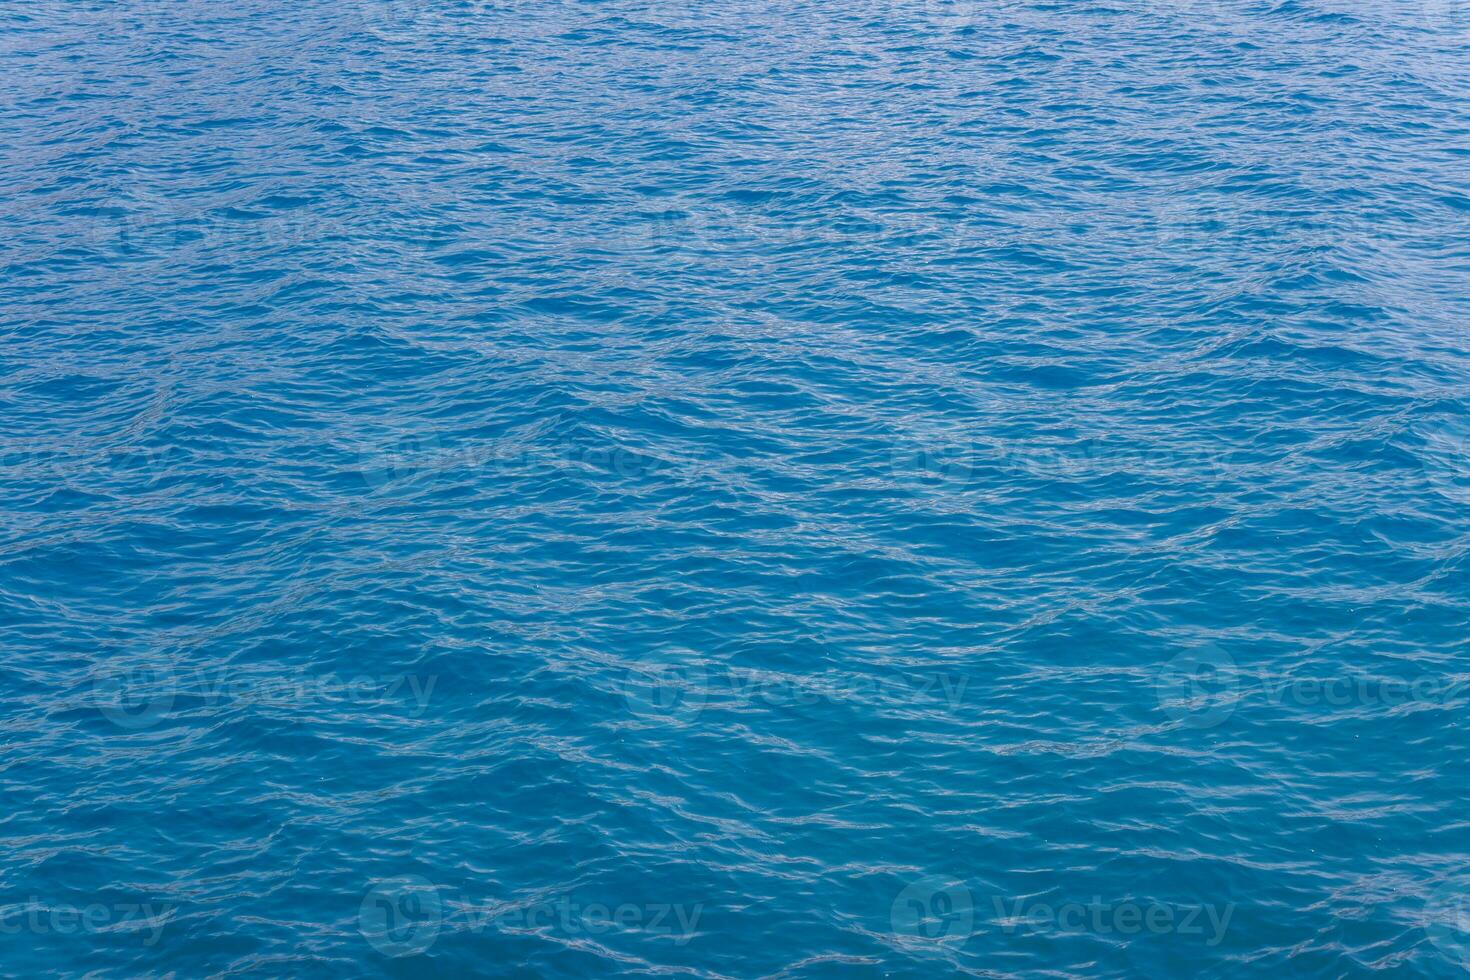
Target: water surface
[{"x": 632, "y": 488}]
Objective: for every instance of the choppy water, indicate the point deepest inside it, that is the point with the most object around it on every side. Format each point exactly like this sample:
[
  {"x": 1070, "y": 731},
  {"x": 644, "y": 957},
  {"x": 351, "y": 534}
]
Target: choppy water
[{"x": 794, "y": 489}]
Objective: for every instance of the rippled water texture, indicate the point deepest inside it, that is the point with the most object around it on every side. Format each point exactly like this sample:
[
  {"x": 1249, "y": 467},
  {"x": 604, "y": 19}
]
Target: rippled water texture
[{"x": 735, "y": 489}]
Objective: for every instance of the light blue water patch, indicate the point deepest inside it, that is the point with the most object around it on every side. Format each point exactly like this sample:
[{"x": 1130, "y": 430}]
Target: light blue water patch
[{"x": 624, "y": 488}]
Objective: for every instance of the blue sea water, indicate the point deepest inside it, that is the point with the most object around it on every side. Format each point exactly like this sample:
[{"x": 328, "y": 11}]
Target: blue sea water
[{"x": 606, "y": 488}]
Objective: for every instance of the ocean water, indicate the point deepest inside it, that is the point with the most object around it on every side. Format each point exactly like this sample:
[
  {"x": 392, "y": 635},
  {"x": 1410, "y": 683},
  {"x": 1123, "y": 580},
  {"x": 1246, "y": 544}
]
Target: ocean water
[{"x": 736, "y": 489}]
